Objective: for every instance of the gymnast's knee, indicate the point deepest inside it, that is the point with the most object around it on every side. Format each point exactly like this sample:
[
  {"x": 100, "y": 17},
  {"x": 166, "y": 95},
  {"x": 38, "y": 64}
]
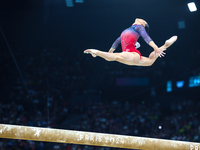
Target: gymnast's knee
[
  {"x": 118, "y": 58},
  {"x": 150, "y": 63},
  {"x": 111, "y": 59}
]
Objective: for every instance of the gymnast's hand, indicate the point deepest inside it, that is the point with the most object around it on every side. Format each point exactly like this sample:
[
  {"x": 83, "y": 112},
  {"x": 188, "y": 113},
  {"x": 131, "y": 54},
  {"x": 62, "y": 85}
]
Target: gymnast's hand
[
  {"x": 160, "y": 52},
  {"x": 111, "y": 50}
]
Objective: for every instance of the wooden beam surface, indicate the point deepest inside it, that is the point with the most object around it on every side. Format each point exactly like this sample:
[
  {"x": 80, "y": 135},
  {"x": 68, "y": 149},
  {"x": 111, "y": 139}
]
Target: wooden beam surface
[{"x": 91, "y": 138}]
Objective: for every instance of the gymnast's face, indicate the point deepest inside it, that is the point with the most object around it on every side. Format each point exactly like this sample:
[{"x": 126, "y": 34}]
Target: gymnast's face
[{"x": 140, "y": 21}]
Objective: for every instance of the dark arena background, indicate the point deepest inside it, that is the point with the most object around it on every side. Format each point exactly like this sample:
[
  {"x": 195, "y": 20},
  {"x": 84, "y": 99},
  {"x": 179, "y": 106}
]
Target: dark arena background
[{"x": 47, "y": 81}]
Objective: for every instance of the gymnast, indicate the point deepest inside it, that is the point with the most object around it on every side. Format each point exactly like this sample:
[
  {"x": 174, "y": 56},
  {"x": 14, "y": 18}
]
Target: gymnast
[{"x": 130, "y": 55}]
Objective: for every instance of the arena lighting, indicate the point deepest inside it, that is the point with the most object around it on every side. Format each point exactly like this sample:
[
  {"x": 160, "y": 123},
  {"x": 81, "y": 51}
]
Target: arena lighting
[
  {"x": 180, "y": 84},
  {"x": 194, "y": 81},
  {"x": 69, "y": 3},
  {"x": 192, "y": 7},
  {"x": 169, "y": 86}
]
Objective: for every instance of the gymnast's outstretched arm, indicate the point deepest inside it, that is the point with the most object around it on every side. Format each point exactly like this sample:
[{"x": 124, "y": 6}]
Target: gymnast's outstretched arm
[
  {"x": 149, "y": 41},
  {"x": 115, "y": 45}
]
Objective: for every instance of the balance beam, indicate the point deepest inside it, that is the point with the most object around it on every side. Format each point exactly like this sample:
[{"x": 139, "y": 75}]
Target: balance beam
[{"x": 91, "y": 138}]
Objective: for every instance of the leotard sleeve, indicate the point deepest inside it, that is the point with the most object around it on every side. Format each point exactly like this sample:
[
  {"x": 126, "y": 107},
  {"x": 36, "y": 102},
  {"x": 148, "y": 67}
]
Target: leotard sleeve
[
  {"x": 116, "y": 43},
  {"x": 142, "y": 32}
]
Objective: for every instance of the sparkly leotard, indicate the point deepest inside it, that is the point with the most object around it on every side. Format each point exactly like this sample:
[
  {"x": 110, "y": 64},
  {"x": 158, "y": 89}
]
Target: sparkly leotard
[{"x": 130, "y": 36}]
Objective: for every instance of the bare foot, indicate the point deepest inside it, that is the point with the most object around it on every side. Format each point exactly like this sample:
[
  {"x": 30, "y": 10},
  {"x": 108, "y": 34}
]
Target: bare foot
[
  {"x": 170, "y": 41},
  {"x": 91, "y": 51}
]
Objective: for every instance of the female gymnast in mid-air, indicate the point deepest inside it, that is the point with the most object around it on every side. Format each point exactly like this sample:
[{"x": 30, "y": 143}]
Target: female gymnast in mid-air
[{"x": 128, "y": 39}]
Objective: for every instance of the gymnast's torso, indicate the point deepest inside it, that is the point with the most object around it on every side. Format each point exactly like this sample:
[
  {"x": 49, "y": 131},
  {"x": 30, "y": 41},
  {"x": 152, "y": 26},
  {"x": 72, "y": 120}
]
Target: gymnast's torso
[{"x": 129, "y": 37}]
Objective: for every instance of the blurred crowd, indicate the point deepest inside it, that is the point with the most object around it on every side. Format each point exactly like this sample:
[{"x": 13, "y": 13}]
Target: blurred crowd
[
  {"x": 61, "y": 73},
  {"x": 17, "y": 114},
  {"x": 12, "y": 113},
  {"x": 147, "y": 120},
  {"x": 177, "y": 121},
  {"x": 180, "y": 121}
]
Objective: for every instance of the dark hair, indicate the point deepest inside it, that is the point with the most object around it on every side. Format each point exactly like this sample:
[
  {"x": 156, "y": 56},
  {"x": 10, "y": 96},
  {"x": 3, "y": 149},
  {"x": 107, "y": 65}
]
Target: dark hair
[{"x": 147, "y": 28}]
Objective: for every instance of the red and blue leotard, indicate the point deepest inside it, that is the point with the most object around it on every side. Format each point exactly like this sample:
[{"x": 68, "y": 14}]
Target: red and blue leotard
[{"x": 130, "y": 36}]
